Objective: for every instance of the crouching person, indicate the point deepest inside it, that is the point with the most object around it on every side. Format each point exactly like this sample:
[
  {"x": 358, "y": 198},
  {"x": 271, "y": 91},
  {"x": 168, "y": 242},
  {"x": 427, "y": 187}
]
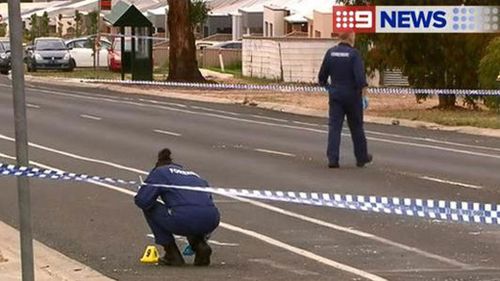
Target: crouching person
[{"x": 187, "y": 213}]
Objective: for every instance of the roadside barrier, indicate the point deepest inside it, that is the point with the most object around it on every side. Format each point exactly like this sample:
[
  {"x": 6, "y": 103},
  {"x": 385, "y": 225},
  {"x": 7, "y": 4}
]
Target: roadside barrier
[
  {"x": 294, "y": 88},
  {"x": 442, "y": 210}
]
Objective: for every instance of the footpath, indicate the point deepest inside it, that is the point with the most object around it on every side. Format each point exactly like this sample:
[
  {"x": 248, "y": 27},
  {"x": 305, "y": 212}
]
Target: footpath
[{"x": 50, "y": 265}]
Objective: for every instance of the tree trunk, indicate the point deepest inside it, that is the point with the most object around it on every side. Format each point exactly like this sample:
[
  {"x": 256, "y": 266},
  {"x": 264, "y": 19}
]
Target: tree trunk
[
  {"x": 447, "y": 101},
  {"x": 183, "y": 65}
]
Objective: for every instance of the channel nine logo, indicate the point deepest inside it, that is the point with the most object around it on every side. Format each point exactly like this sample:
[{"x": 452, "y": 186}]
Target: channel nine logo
[{"x": 416, "y": 19}]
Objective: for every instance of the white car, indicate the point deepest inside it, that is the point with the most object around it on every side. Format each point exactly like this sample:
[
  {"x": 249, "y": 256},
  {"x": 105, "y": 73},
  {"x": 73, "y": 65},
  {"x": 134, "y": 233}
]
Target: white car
[{"x": 83, "y": 55}]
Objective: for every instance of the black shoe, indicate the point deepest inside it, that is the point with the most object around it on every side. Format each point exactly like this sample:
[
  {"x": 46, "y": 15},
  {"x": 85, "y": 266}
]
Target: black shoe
[
  {"x": 333, "y": 165},
  {"x": 172, "y": 256},
  {"x": 202, "y": 251},
  {"x": 368, "y": 161}
]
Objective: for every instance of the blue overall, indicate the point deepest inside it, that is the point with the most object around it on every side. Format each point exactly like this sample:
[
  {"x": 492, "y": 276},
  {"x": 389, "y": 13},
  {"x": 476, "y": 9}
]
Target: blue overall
[
  {"x": 185, "y": 212},
  {"x": 344, "y": 66}
]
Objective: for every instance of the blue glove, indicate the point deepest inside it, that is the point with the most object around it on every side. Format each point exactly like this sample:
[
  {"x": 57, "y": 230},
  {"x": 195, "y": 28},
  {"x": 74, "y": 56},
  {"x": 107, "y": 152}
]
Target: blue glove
[
  {"x": 188, "y": 251},
  {"x": 365, "y": 102}
]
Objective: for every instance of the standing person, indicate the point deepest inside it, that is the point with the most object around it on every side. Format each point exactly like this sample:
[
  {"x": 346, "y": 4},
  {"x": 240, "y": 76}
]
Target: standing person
[
  {"x": 185, "y": 212},
  {"x": 344, "y": 66}
]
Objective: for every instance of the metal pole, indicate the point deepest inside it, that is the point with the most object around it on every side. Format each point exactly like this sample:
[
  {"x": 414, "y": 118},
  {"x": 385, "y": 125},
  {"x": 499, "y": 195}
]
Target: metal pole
[
  {"x": 21, "y": 134},
  {"x": 98, "y": 39}
]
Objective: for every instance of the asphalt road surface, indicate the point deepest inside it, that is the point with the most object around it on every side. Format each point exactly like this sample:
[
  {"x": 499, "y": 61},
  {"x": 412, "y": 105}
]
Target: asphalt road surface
[{"x": 111, "y": 134}]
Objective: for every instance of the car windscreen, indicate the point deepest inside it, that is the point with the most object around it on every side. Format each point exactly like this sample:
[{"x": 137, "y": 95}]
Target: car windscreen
[{"x": 50, "y": 45}]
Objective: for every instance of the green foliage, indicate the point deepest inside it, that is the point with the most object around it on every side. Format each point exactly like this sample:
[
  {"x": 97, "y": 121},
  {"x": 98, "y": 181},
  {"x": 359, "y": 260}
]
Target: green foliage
[
  {"x": 3, "y": 29},
  {"x": 198, "y": 12},
  {"x": 489, "y": 72},
  {"x": 92, "y": 23},
  {"x": 39, "y": 26},
  {"x": 44, "y": 24},
  {"x": 78, "y": 23},
  {"x": 429, "y": 60}
]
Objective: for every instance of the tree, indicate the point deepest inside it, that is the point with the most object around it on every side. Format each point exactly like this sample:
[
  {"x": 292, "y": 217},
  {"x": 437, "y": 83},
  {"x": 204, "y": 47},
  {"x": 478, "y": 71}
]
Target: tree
[
  {"x": 489, "y": 70},
  {"x": 429, "y": 60},
  {"x": 44, "y": 24},
  {"x": 183, "y": 65},
  {"x": 3, "y": 29},
  {"x": 92, "y": 22},
  {"x": 199, "y": 12},
  {"x": 34, "y": 30},
  {"x": 78, "y": 23}
]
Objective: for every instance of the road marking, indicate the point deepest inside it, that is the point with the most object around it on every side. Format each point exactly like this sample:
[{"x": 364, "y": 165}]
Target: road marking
[
  {"x": 432, "y": 140},
  {"x": 211, "y": 241},
  {"x": 274, "y": 152},
  {"x": 305, "y": 123},
  {"x": 164, "y": 102},
  {"x": 32, "y": 106},
  {"x": 312, "y": 220},
  {"x": 451, "y": 182},
  {"x": 302, "y": 252},
  {"x": 269, "y": 118},
  {"x": 90, "y": 117},
  {"x": 467, "y": 152},
  {"x": 215, "y": 110},
  {"x": 255, "y": 235},
  {"x": 167, "y": 133}
]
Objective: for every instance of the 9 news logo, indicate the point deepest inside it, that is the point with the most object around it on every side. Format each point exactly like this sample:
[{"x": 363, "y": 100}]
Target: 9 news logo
[{"x": 416, "y": 19}]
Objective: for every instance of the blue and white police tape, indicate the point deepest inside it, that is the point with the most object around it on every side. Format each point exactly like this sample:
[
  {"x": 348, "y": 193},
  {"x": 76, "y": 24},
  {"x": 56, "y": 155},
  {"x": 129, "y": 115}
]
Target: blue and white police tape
[
  {"x": 292, "y": 88},
  {"x": 470, "y": 212}
]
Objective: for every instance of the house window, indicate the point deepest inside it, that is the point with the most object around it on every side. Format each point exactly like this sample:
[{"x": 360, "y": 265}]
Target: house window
[
  {"x": 266, "y": 31},
  {"x": 317, "y": 34},
  {"x": 271, "y": 31}
]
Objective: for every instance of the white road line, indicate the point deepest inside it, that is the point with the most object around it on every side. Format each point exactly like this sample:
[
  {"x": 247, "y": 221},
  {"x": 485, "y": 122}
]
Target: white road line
[
  {"x": 348, "y": 230},
  {"x": 211, "y": 241},
  {"x": 32, "y": 105},
  {"x": 163, "y": 102},
  {"x": 467, "y": 152},
  {"x": 90, "y": 117},
  {"x": 167, "y": 133},
  {"x": 305, "y": 123},
  {"x": 432, "y": 140},
  {"x": 215, "y": 110},
  {"x": 274, "y": 152},
  {"x": 451, "y": 182},
  {"x": 302, "y": 252},
  {"x": 269, "y": 118},
  {"x": 256, "y": 235}
]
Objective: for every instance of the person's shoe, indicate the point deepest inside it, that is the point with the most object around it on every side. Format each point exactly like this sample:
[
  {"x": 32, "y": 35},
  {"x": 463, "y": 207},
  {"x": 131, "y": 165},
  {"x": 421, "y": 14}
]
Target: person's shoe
[
  {"x": 172, "y": 256},
  {"x": 333, "y": 165},
  {"x": 369, "y": 160},
  {"x": 203, "y": 253}
]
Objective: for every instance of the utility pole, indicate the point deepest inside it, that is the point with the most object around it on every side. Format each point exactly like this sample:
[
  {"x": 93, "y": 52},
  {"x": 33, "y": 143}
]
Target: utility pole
[{"x": 21, "y": 134}]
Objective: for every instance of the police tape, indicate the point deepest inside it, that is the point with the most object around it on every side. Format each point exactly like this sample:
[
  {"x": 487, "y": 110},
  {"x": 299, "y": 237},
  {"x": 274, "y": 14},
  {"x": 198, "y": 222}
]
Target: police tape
[
  {"x": 442, "y": 210},
  {"x": 294, "y": 88}
]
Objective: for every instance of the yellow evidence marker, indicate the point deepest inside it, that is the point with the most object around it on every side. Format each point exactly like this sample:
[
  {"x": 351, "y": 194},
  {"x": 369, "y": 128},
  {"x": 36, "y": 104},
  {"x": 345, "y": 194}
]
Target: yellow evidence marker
[{"x": 151, "y": 255}]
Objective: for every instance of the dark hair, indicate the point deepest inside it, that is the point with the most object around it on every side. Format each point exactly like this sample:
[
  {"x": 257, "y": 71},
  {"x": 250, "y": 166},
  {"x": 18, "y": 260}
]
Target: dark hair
[{"x": 164, "y": 158}]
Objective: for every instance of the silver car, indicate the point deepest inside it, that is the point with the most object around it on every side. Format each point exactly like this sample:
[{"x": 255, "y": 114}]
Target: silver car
[{"x": 49, "y": 53}]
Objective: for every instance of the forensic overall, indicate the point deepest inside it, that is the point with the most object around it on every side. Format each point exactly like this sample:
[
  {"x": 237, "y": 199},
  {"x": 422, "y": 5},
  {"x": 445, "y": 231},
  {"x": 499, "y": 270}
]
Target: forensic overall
[
  {"x": 344, "y": 66},
  {"x": 186, "y": 213}
]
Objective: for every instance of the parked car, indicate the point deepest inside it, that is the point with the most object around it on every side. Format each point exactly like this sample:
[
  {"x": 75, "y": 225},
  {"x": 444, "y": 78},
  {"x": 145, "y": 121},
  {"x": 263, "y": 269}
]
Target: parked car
[
  {"x": 228, "y": 45},
  {"x": 82, "y": 52},
  {"x": 4, "y": 58},
  {"x": 114, "y": 53},
  {"x": 49, "y": 53}
]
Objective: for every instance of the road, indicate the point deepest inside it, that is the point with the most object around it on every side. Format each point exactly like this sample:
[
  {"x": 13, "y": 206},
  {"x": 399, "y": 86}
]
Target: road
[{"x": 117, "y": 135}]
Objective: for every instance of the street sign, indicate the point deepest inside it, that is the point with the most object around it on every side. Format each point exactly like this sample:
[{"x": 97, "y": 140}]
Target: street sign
[{"x": 105, "y": 5}]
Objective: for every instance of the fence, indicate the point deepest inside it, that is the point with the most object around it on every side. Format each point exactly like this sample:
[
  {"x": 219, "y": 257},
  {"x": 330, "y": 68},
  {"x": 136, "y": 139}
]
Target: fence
[{"x": 206, "y": 57}]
